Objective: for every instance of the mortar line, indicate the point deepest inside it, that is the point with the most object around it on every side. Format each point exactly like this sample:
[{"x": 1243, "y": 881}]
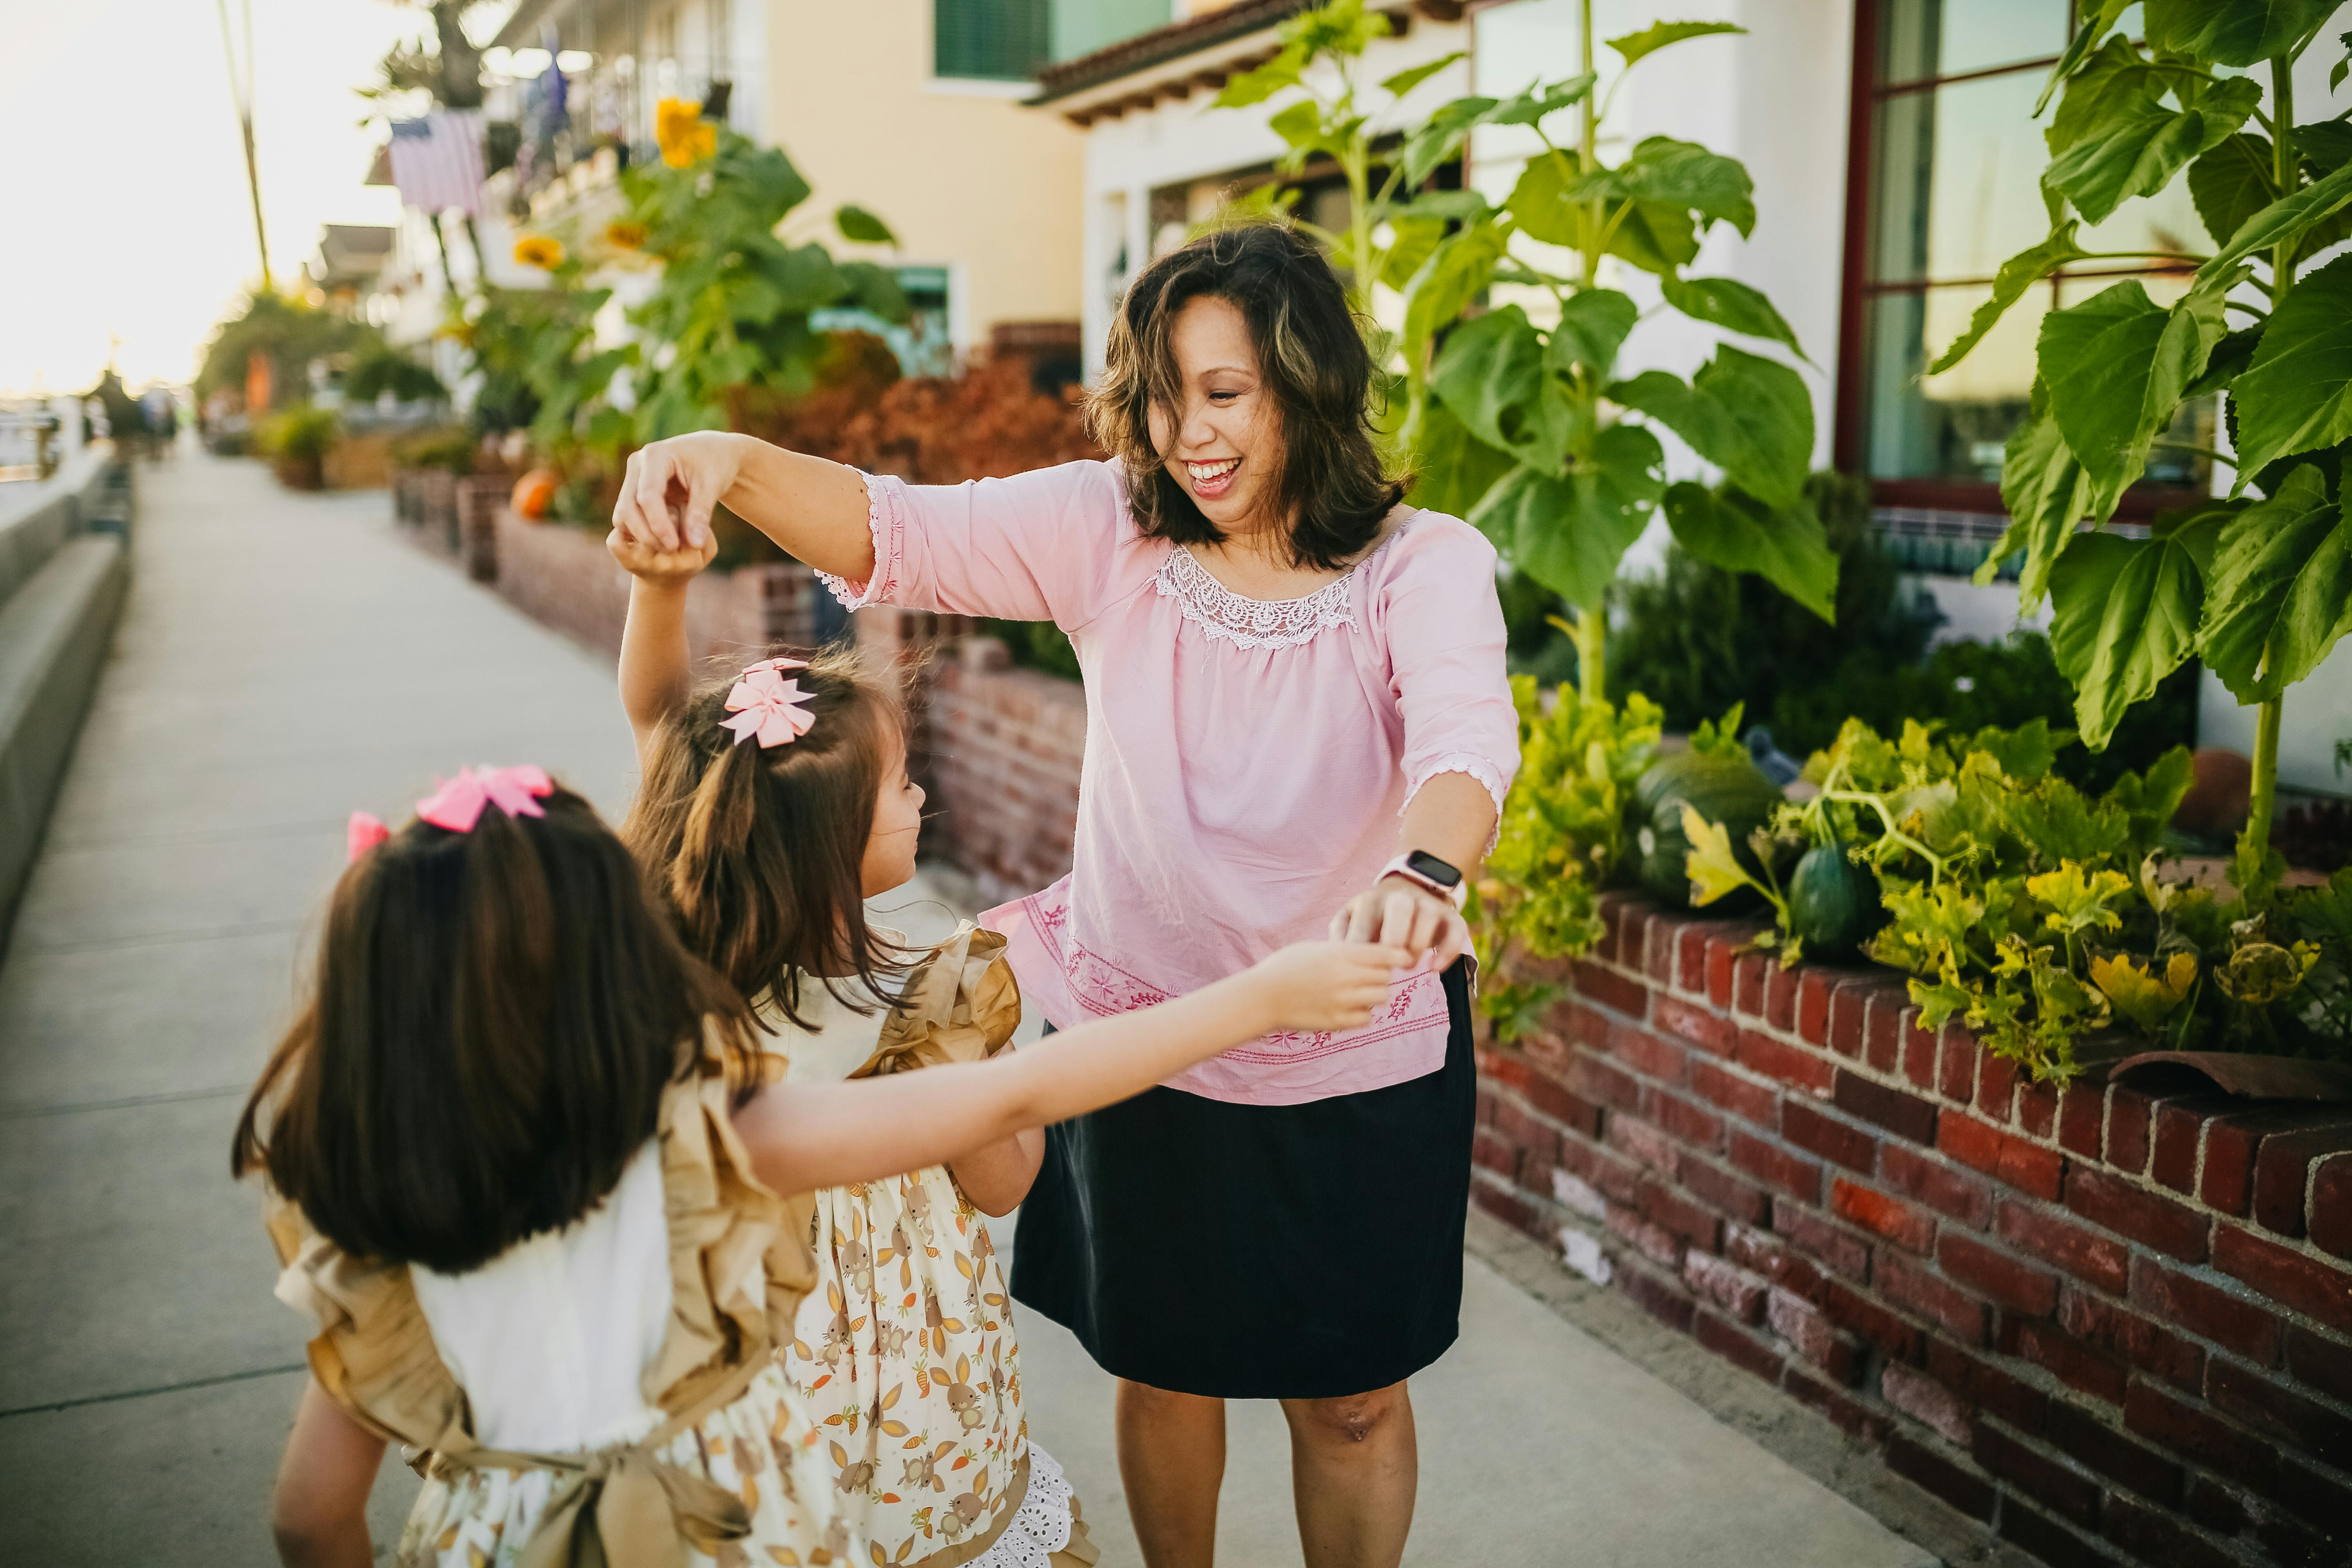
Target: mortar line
[
  {"x": 22, "y": 1112},
  {"x": 49, "y": 1408}
]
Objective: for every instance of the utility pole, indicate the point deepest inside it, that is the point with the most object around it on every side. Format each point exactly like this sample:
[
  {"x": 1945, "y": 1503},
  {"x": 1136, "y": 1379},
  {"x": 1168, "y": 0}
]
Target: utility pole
[{"x": 242, "y": 90}]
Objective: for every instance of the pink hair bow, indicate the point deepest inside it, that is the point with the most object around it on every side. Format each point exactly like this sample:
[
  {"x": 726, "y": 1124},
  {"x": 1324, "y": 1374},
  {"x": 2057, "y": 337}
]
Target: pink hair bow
[
  {"x": 766, "y": 705},
  {"x": 361, "y": 833},
  {"x": 458, "y": 804}
]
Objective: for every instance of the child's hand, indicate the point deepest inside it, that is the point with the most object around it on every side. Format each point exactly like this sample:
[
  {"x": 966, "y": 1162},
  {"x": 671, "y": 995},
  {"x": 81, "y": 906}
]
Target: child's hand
[
  {"x": 1327, "y": 985},
  {"x": 649, "y": 562}
]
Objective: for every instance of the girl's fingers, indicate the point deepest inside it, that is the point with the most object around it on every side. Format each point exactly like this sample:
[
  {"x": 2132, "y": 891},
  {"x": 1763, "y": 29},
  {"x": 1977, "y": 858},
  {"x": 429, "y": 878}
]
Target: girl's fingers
[{"x": 1363, "y": 918}]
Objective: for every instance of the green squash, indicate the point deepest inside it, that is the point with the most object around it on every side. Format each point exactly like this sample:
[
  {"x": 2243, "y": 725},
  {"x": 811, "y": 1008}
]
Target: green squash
[
  {"x": 1833, "y": 904},
  {"x": 1723, "y": 786}
]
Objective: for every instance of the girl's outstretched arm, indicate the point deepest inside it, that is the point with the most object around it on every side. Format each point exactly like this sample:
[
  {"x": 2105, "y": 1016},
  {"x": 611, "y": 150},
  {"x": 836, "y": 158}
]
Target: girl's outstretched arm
[
  {"x": 318, "y": 1513},
  {"x": 656, "y": 671},
  {"x": 997, "y": 1177},
  {"x": 805, "y": 1136}
]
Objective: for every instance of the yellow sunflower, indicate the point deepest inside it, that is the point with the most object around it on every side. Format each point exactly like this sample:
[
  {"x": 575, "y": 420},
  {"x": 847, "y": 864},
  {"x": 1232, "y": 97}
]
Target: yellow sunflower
[
  {"x": 623, "y": 235},
  {"x": 539, "y": 250},
  {"x": 685, "y": 137}
]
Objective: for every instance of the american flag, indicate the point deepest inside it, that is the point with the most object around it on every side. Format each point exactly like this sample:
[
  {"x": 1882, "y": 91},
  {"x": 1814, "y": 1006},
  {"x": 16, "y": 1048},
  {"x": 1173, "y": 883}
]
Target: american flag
[{"x": 436, "y": 161}]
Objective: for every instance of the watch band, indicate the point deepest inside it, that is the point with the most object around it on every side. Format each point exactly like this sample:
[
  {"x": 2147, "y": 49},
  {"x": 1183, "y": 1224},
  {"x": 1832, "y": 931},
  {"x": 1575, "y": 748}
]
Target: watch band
[{"x": 1457, "y": 893}]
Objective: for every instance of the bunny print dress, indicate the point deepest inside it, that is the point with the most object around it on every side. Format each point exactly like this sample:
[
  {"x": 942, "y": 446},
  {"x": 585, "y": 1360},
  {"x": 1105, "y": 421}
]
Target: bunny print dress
[{"x": 904, "y": 1355}]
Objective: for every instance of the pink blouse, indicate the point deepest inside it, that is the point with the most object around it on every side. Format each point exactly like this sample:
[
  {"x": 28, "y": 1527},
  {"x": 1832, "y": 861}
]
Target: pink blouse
[{"x": 1245, "y": 759}]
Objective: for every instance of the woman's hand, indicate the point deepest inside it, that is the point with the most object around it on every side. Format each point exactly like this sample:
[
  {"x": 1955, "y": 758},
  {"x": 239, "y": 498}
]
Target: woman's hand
[
  {"x": 1326, "y": 984},
  {"x": 649, "y": 564},
  {"x": 671, "y": 486},
  {"x": 1402, "y": 913}
]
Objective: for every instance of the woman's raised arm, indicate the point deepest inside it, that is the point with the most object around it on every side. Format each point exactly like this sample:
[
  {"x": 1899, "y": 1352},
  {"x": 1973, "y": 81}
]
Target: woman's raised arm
[{"x": 816, "y": 509}]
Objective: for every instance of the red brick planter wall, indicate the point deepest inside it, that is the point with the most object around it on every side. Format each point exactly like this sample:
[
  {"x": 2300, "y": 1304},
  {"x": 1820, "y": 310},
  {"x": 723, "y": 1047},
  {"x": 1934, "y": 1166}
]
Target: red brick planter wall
[
  {"x": 2114, "y": 1325},
  {"x": 1006, "y": 746}
]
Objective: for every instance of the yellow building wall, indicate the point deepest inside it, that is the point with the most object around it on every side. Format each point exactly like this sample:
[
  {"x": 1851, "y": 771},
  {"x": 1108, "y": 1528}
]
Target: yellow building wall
[{"x": 964, "y": 175}]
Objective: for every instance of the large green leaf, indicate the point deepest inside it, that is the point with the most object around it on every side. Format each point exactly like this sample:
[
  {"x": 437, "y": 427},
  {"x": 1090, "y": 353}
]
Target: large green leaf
[
  {"x": 2124, "y": 615},
  {"x": 2017, "y": 274},
  {"x": 1679, "y": 174},
  {"x": 1446, "y": 283},
  {"x": 1658, "y": 34},
  {"x": 1541, "y": 101},
  {"x": 856, "y": 224},
  {"x": 2116, "y": 365},
  {"x": 1569, "y": 534},
  {"x": 1749, "y": 416},
  {"x": 1787, "y": 546},
  {"x": 1591, "y": 328},
  {"x": 1491, "y": 372},
  {"x": 1652, "y": 236},
  {"x": 2232, "y": 32},
  {"x": 1411, "y": 77},
  {"x": 2115, "y": 137},
  {"x": 2230, "y": 182},
  {"x": 2289, "y": 217},
  {"x": 1453, "y": 469},
  {"x": 2045, "y": 491},
  {"x": 2099, "y": 19},
  {"x": 1730, "y": 304},
  {"x": 1440, "y": 136},
  {"x": 1258, "y": 85},
  {"x": 2297, "y": 393},
  {"x": 2258, "y": 573}
]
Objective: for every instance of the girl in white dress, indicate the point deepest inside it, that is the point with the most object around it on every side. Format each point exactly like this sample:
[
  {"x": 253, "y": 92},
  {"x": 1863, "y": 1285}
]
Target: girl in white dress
[
  {"x": 773, "y": 806},
  {"x": 524, "y": 1177}
]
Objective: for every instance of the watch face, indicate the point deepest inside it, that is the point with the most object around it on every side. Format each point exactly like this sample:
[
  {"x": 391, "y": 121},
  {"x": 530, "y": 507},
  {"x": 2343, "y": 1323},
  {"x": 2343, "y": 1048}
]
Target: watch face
[{"x": 1427, "y": 865}]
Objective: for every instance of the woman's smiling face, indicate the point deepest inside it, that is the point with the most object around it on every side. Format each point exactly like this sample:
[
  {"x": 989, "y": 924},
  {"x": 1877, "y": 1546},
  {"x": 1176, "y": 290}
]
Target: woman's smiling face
[{"x": 1223, "y": 444}]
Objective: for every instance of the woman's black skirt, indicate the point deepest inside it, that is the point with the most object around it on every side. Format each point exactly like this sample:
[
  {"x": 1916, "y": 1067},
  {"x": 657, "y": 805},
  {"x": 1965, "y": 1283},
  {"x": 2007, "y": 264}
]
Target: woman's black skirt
[{"x": 1260, "y": 1252}]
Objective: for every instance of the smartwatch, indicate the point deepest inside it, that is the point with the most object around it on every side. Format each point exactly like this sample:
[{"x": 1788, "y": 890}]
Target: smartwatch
[{"x": 1428, "y": 871}]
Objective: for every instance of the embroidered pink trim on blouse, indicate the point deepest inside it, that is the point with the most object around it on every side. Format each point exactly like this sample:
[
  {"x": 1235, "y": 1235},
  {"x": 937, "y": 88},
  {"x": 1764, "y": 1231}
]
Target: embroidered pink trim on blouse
[
  {"x": 1249, "y": 623},
  {"x": 890, "y": 540}
]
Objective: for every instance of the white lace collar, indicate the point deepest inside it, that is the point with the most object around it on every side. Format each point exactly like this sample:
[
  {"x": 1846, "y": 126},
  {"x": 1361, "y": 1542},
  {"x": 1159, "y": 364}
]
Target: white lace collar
[{"x": 1248, "y": 623}]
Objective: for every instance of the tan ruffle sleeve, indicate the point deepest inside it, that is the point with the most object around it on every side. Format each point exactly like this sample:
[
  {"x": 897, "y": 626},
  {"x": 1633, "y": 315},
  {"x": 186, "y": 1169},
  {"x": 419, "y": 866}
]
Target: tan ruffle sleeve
[{"x": 960, "y": 1004}]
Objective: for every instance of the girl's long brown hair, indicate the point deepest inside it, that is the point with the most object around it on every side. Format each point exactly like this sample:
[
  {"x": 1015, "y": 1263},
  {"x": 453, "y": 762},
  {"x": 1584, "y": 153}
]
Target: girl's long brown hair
[
  {"x": 760, "y": 850},
  {"x": 495, "y": 1017}
]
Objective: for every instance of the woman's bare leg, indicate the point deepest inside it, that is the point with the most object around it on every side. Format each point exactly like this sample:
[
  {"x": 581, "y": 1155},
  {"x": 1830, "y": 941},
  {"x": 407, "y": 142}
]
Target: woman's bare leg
[
  {"x": 1172, "y": 1458},
  {"x": 1354, "y": 1466}
]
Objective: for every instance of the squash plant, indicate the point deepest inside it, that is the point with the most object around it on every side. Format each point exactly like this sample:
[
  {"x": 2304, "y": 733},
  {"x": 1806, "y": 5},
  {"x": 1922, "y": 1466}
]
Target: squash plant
[
  {"x": 1519, "y": 425},
  {"x": 733, "y": 304},
  {"x": 2259, "y": 584}
]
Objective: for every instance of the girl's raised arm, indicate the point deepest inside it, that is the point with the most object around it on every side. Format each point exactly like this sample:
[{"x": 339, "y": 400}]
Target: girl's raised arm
[
  {"x": 656, "y": 666},
  {"x": 816, "y": 509},
  {"x": 805, "y": 1136}
]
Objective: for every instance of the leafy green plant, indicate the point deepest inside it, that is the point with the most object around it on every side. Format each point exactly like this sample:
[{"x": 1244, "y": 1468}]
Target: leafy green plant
[
  {"x": 303, "y": 432},
  {"x": 2257, "y": 586},
  {"x": 732, "y": 308},
  {"x": 449, "y": 446},
  {"x": 378, "y": 368}
]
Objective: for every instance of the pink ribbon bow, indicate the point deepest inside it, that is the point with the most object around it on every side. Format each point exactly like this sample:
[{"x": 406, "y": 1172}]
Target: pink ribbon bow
[
  {"x": 458, "y": 804},
  {"x": 361, "y": 833},
  {"x": 764, "y": 704}
]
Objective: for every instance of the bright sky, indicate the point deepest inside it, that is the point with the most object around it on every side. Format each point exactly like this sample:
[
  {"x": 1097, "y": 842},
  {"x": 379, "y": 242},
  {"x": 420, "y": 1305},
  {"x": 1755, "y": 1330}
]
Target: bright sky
[{"x": 125, "y": 182}]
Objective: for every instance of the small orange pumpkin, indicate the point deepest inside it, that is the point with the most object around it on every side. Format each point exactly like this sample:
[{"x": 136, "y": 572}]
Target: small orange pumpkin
[{"x": 534, "y": 493}]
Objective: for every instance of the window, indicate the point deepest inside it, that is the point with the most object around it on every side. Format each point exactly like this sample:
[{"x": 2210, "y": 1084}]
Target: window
[
  {"x": 991, "y": 40},
  {"x": 923, "y": 343},
  {"x": 1946, "y": 186}
]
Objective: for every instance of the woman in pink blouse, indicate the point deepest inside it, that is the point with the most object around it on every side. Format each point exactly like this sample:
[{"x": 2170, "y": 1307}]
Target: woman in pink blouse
[{"x": 1298, "y": 720}]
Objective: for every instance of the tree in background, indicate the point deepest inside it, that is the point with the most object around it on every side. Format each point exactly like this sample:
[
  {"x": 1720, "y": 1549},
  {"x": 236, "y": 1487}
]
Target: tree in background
[{"x": 289, "y": 332}]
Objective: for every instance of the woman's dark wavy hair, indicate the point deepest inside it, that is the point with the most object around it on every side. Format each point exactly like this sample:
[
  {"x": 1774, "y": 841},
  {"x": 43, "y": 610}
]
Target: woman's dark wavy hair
[
  {"x": 759, "y": 851},
  {"x": 1312, "y": 356},
  {"x": 494, "y": 1019}
]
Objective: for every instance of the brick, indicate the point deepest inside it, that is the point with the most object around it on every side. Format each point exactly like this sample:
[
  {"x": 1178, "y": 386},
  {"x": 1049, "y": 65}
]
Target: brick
[
  {"x": 1739, "y": 1292},
  {"x": 1537, "y": 1138},
  {"x": 2330, "y": 1221},
  {"x": 1709, "y": 1030},
  {"x": 1897, "y": 1221},
  {"x": 1848, "y": 1009},
  {"x": 2146, "y": 1216},
  {"x": 1551, "y": 1096},
  {"x": 2288, "y": 1544},
  {"x": 1776, "y": 1167},
  {"x": 1651, "y": 1055},
  {"x": 1998, "y": 1276},
  {"x": 2084, "y": 1253},
  {"x": 1581, "y": 1022},
  {"x": 1926, "y": 1401},
  {"x": 2031, "y": 1168},
  {"x": 1743, "y": 1201},
  {"x": 1611, "y": 989},
  {"x": 1937, "y": 1185},
  {"x": 1686, "y": 1121},
  {"x": 1664, "y": 1207},
  {"x": 1658, "y": 1298},
  {"x": 1849, "y": 1414},
  {"x": 2321, "y": 1499},
  {"x": 2215, "y": 1506},
  {"x": 2310, "y": 1286},
  {"x": 1906, "y": 1115},
  {"x": 1720, "y": 952},
  {"x": 2067, "y": 1491},
  {"x": 1930, "y": 1470},
  {"x": 1955, "y": 1063},
  {"x": 2082, "y": 1112},
  {"x": 1918, "y": 1047},
  {"x": 1747, "y": 984},
  {"x": 1743, "y": 1096},
  {"x": 1486, "y": 1108},
  {"x": 1840, "y": 1252},
  {"x": 1690, "y": 957},
  {"x": 1996, "y": 1088},
  {"x": 1612, "y": 1174},
  {"x": 1909, "y": 1286},
  {"x": 2267, "y": 1405},
  {"x": 2013, "y": 1399},
  {"x": 2065, "y": 1358},
  {"x": 2320, "y": 1362},
  {"x": 2094, "y": 1445},
  {"x": 2129, "y": 1113},
  {"x": 1839, "y": 1141},
  {"x": 1603, "y": 1083},
  {"x": 1813, "y": 990},
  {"x": 1631, "y": 1135},
  {"x": 2037, "y": 1109},
  {"x": 2202, "y": 1438},
  {"x": 1812, "y": 1335},
  {"x": 1896, "y": 1338},
  {"x": 2148, "y": 1533},
  {"x": 1780, "y": 996},
  {"x": 2179, "y": 1130},
  {"x": 1577, "y": 1195},
  {"x": 2054, "y": 1544},
  {"x": 2230, "y": 1321},
  {"x": 1782, "y": 1062},
  {"x": 2282, "y": 1172},
  {"x": 1665, "y": 934},
  {"x": 1737, "y": 1346},
  {"x": 1970, "y": 1141},
  {"x": 2150, "y": 1347},
  {"x": 1508, "y": 1207},
  {"x": 1652, "y": 1241},
  {"x": 1490, "y": 1151}
]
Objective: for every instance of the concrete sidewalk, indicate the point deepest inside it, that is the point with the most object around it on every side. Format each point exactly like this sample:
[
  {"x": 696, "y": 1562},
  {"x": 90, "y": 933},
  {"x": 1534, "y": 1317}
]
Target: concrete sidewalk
[{"x": 285, "y": 658}]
